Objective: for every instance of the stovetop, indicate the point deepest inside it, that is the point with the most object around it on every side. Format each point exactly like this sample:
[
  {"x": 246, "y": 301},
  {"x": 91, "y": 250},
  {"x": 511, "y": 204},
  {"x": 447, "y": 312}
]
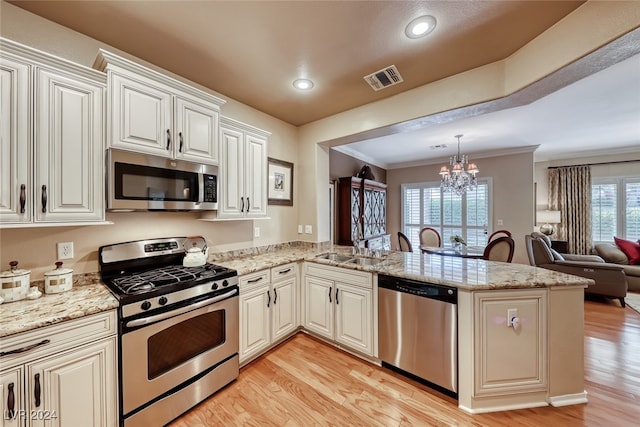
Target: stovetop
[
  {"x": 148, "y": 275},
  {"x": 149, "y": 280}
]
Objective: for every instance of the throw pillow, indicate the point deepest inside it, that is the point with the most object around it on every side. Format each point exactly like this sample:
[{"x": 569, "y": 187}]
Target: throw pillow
[{"x": 630, "y": 249}]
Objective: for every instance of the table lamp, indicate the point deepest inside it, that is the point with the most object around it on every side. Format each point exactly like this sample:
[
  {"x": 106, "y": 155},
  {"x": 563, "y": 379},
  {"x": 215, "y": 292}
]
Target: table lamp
[{"x": 548, "y": 218}]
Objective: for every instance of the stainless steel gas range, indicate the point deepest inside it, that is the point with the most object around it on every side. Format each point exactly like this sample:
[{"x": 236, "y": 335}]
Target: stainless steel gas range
[{"x": 178, "y": 328}]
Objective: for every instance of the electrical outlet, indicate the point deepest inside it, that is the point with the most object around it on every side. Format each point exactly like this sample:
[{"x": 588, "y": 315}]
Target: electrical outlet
[
  {"x": 500, "y": 222},
  {"x": 256, "y": 232},
  {"x": 65, "y": 250},
  {"x": 308, "y": 229},
  {"x": 300, "y": 229}
]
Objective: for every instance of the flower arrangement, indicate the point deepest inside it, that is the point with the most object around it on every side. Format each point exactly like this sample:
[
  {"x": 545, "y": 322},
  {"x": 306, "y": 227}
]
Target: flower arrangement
[{"x": 457, "y": 240}]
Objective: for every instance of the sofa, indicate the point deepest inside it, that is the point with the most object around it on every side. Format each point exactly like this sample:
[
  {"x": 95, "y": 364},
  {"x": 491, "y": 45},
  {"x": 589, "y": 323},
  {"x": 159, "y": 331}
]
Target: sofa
[
  {"x": 610, "y": 252},
  {"x": 610, "y": 279}
]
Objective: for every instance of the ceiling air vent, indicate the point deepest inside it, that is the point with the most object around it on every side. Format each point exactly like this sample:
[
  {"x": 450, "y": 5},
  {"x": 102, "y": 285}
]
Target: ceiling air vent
[{"x": 386, "y": 77}]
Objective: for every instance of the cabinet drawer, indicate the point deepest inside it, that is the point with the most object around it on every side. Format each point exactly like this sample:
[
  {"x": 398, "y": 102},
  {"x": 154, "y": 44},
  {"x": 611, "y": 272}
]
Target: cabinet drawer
[
  {"x": 61, "y": 336},
  {"x": 282, "y": 272},
  {"x": 345, "y": 275},
  {"x": 251, "y": 280}
]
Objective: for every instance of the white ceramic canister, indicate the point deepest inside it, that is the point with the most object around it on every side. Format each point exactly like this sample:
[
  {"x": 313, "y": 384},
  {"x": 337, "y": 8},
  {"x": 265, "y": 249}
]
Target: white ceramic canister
[
  {"x": 58, "y": 280},
  {"x": 14, "y": 283}
]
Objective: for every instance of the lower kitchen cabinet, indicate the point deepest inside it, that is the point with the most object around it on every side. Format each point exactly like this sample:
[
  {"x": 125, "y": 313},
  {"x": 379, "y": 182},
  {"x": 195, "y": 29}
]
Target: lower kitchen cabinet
[
  {"x": 510, "y": 359},
  {"x": 268, "y": 308},
  {"x": 339, "y": 306},
  {"x": 61, "y": 375}
]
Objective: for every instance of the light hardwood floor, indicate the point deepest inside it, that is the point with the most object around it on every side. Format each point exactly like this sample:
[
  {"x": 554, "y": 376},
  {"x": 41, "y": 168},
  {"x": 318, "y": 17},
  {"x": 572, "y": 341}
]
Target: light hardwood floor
[{"x": 304, "y": 382}]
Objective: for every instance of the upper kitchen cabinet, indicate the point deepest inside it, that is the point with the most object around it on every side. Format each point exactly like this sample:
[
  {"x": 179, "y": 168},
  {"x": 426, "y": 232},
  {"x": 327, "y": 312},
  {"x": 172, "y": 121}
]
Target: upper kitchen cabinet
[
  {"x": 52, "y": 144},
  {"x": 152, "y": 113},
  {"x": 243, "y": 170}
]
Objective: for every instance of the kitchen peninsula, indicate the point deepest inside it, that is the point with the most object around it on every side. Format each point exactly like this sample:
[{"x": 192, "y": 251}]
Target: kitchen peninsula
[{"x": 538, "y": 362}]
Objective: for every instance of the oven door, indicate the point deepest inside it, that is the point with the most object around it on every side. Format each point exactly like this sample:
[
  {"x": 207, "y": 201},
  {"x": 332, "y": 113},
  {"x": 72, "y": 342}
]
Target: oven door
[{"x": 159, "y": 356}]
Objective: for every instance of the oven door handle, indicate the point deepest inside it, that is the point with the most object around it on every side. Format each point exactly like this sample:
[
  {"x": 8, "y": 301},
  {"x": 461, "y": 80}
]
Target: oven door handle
[{"x": 173, "y": 313}]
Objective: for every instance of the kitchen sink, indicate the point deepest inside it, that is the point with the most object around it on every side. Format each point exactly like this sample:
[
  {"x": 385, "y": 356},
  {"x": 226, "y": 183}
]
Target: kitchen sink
[
  {"x": 335, "y": 257},
  {"x": 365, "y": 261}
]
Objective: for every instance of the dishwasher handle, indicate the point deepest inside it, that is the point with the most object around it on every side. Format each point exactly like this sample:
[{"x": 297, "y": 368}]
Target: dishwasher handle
[{"x": 442, "y": 293}]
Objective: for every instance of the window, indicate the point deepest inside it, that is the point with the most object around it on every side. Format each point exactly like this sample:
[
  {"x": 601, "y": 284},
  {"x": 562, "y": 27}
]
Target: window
[
  {"x": 425, "y": 205},
  {"x": 615, "y": 208}
]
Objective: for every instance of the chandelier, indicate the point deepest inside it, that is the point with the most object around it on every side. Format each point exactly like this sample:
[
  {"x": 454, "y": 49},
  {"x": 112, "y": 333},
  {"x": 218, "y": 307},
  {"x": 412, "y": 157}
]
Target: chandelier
[{"x": 458, "y": 180}]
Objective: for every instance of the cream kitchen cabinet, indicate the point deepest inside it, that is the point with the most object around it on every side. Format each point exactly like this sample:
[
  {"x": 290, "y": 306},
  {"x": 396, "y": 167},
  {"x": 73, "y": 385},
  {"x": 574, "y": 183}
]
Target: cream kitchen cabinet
[
  {"x": 243, "y": 170},
  {"x": 61, "y": 375},
  {"x": 510, "y": 359},
  {"x": 150, "y": 112},
  {"x": 52, "y": 145},
  {"x": 268, "y": 309},
  {"x": 339, "y": 306}
]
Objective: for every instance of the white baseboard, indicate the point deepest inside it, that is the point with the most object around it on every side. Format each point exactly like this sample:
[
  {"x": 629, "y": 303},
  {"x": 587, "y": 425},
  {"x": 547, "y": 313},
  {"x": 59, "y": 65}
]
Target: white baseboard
[
  {"x": 568, "y": 399},
  {"x": 497, "y": 408}
]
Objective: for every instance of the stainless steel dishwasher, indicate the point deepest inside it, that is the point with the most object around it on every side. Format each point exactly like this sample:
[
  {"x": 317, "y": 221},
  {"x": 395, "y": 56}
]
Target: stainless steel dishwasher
[{"x": 418, "y": 330}]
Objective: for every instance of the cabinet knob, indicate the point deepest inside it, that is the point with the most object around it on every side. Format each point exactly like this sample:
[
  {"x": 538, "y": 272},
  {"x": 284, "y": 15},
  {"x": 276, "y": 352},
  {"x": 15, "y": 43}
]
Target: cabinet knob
[{"x": 168, "y": 138}]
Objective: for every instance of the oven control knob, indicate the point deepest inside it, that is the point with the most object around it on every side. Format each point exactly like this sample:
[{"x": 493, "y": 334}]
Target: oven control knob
[
  {"x": 225, "y": 283},
  {"x": 146, "y": 305},
  {"x": 214, "y": 287},
  {"x": 162, "y": 300}
]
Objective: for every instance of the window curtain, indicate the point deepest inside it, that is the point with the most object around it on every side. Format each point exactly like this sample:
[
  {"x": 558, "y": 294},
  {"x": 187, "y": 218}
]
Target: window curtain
[{"x": 570, "y": 193}]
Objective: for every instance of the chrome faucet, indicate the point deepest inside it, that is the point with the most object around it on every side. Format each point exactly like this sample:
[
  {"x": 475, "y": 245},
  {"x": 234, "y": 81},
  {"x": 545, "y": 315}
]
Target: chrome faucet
[{"x": 357, "y": 239}]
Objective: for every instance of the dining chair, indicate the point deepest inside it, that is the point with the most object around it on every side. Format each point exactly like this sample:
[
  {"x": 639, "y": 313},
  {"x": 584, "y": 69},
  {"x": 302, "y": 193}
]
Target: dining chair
[
  {"x": 497, "y": 233},
  {"x": 430, "y": 237},
  {"x": 500, "y": 249},
  {"x": 404, "y": 243}
]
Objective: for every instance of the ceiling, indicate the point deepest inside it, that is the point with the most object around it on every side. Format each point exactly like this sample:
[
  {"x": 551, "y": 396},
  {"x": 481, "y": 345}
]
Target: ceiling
[{"x": 252, "y": 51}]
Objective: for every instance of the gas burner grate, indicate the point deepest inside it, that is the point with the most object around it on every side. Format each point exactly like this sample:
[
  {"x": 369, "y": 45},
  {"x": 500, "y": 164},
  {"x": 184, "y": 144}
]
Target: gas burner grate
[{"x": 151, "y": 279}]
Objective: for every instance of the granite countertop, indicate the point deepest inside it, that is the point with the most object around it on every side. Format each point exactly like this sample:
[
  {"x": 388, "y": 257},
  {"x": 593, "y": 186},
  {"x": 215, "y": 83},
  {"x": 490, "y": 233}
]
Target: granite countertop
[
  {"x": 88, "y": 296},
  {"x": 462, "y": 273}
]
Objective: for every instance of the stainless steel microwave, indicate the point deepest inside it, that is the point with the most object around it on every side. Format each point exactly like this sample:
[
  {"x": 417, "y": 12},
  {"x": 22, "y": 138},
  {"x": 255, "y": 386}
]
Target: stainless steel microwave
[{"x": 145, "y": 182}]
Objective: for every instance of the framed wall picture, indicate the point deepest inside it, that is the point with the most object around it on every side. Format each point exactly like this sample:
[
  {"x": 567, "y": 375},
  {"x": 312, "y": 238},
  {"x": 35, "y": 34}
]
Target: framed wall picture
[{"x": 280, "y": 186}]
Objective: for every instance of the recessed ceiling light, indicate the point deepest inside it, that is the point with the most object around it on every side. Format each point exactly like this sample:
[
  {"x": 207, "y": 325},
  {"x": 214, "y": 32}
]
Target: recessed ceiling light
[
  {"x": 420, "y": 27},
  {"x": 303, "y": 84}
]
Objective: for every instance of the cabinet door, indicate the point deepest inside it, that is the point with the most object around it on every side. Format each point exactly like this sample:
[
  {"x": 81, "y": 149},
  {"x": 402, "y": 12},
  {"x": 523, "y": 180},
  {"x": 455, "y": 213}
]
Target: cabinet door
[
  {"x": 141, "y": 114},
  {"x": 15, "y": 142},
  {"x": 68, "y": 148},
  {"x": 12, "y": 398},
  {"x": 510, "y": 360},
  {"x": 254, "y": 321},
  {"x": 283, "y": 310},
  {"x": 319, "y": 306},
  {"x": 77, "y": 387},
  {"x": 354, "y": 321},
  {"x": 196, "y": 131},
  {"x": 255, "y": 191},
  {"x": 231, "y": 174}
]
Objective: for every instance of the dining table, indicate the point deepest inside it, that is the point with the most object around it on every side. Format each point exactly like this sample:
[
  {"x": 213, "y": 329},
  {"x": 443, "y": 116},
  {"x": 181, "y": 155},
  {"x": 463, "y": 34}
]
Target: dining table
[{"x": 463, "y": 251}]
